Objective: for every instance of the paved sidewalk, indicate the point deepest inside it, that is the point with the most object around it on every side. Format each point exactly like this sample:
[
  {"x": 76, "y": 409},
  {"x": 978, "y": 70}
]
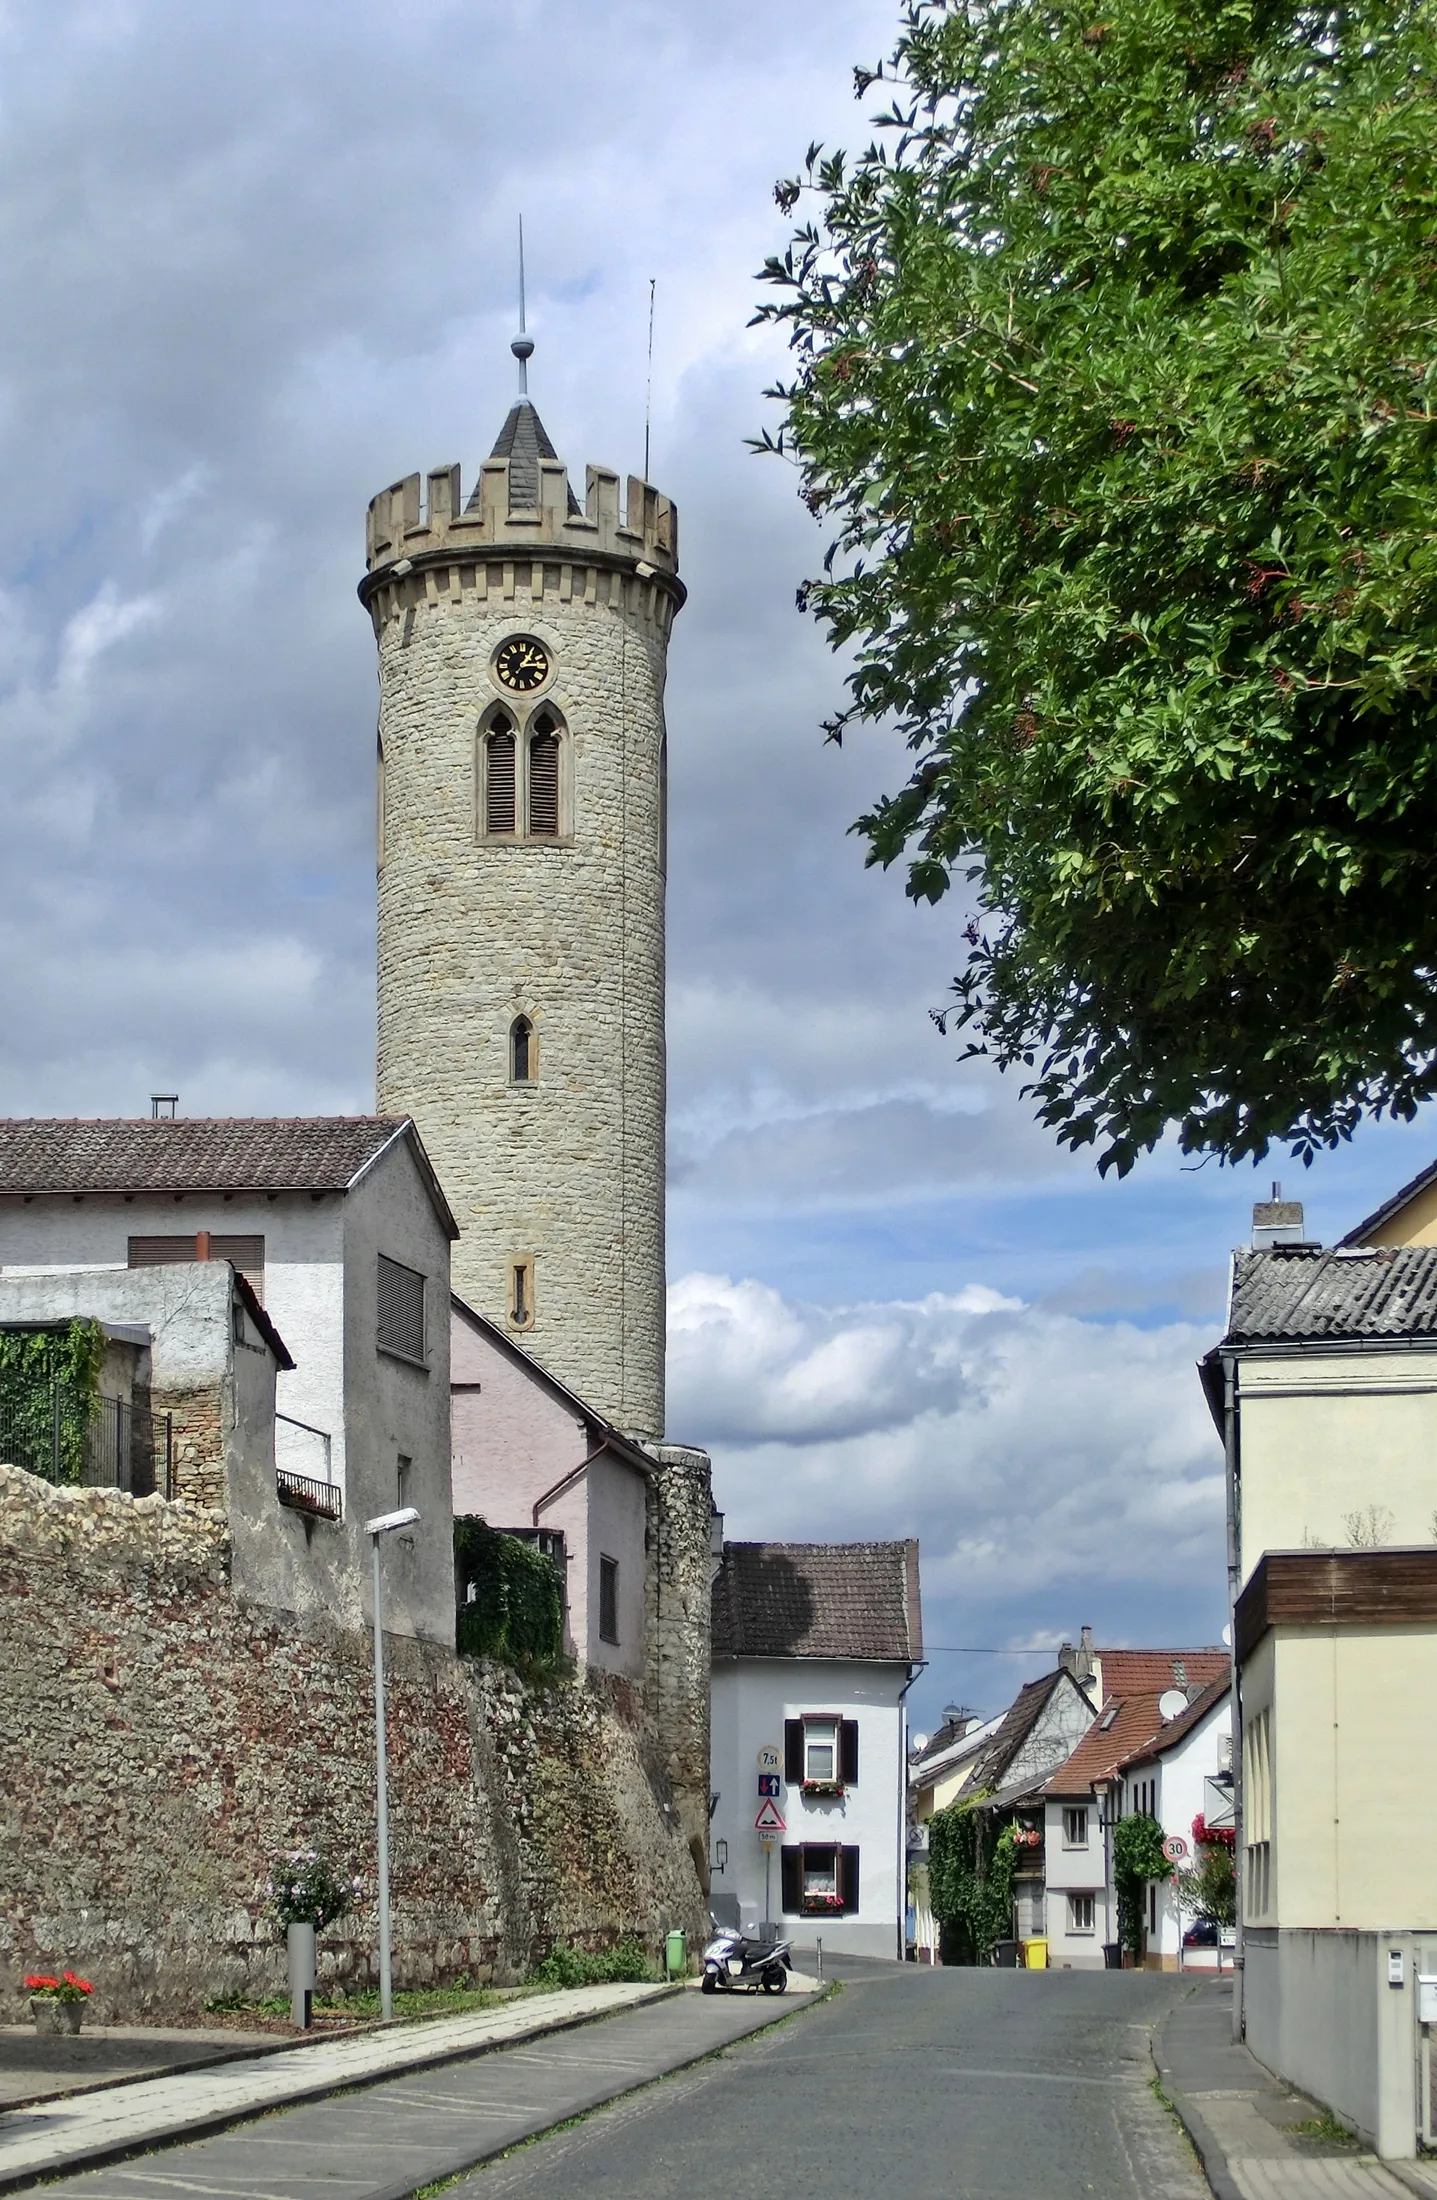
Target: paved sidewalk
[
  {"x": 437, "y": 2103},
  {"x": 1243, "y": 2121},
  {"x": 33, "y": 2063}
]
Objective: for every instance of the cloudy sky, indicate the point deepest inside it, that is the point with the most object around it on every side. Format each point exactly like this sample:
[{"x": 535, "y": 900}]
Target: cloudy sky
[{"x": 258, "y": 261}]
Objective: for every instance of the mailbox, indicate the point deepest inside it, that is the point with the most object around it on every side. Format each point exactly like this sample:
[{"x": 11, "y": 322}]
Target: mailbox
[{"x": 1427, "y": 1997}]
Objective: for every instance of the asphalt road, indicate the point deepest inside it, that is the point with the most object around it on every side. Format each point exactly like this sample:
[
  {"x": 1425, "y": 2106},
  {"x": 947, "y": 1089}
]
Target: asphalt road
[{"x": 973, "y": 2085}]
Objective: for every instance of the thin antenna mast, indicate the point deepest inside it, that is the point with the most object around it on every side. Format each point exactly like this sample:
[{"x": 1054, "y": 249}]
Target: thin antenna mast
[
  {"x": 649, "y": 381},
  {"x": 523, "y": 344}
]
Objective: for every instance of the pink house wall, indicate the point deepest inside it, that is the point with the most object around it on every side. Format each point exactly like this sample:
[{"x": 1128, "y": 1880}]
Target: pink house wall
[{"x": 512, "y": 1440}]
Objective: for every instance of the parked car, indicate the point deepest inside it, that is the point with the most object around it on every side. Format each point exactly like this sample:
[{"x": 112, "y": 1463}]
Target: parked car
[{"x": 1202, "y": 1933}]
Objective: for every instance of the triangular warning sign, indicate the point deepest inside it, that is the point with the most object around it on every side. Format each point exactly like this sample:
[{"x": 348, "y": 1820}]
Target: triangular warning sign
[{"x": 769, "y": 1819}]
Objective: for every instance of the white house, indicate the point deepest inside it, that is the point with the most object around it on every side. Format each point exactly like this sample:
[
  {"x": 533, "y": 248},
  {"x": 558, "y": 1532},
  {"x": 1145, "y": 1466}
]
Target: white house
[
  {"x": 530, "y": 1457},
  {"x": 1084, "y": 1799},
  {"x": 341, "y": 1229},
  {"x": 1183, "y": 1775},
  {"x": 814, "y": 1648}
]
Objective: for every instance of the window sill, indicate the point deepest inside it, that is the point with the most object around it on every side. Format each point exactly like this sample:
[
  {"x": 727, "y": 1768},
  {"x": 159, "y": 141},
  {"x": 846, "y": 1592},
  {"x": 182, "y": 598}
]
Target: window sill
[{"x": 405, "y": 1359}]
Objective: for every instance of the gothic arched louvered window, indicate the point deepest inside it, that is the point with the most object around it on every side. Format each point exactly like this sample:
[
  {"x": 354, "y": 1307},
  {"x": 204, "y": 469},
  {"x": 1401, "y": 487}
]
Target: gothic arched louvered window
[
  {"x": 501, "y": 751},
  {"x": 521, "y": 1051},
  {"x": 544, "y": 779}
]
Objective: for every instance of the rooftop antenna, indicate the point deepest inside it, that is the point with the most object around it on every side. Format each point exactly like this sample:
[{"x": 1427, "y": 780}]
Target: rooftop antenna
[
  {"x": 649, "y": 381},
  {"x": 523, "y": 344}
]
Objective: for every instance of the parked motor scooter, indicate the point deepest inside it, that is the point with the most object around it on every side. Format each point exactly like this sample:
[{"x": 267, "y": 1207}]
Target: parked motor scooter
[{"x": 731, "y": 1960}]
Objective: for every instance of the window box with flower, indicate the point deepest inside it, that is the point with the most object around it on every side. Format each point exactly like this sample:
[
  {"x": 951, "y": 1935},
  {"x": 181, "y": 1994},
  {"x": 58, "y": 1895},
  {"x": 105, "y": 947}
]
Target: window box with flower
[
  {"x": 824, "y": 1791},
  {"x": 57, "y": 2004}
]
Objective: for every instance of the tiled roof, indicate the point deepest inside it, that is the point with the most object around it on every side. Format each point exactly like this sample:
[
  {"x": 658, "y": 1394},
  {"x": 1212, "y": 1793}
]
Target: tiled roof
[
  {"x": 1133, "y": 1680},
  {"x": 317, "y": 1153},
  {"x": 1341, "y": 1291},
  {"x": 818, "y": 1600},
  {"x": 1172, "y": 1731},
  {"x": 1019, "y": 1721}
]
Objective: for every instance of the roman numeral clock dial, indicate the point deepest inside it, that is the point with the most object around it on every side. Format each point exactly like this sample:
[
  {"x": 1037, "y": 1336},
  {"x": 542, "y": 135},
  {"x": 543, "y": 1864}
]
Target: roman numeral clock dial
[{"x": 521, "y": 664}]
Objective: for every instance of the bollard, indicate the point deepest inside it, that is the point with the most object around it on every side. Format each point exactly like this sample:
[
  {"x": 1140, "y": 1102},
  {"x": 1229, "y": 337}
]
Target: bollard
[
  {"x": 820, "y": 1958},
  {"x": 300, "y": 1940}
]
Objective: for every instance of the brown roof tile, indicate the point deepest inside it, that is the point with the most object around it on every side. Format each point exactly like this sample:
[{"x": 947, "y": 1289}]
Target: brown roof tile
[
  {"x": 40, "y": 1154},
  {"x": 1133, "y": 1680},
  {"x": 818, "y": 1600}
]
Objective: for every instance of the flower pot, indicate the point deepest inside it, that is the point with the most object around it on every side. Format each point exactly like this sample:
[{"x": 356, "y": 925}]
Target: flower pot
[{"x": 55, "y": 2016}]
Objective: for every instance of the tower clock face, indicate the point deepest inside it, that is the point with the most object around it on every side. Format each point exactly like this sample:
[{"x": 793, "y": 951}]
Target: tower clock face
[{"x": 521, "y": 664}]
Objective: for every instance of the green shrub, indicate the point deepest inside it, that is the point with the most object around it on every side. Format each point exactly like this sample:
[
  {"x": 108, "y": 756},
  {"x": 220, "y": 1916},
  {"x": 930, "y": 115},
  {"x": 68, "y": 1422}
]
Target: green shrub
[{"x": 570, "y": 1967}]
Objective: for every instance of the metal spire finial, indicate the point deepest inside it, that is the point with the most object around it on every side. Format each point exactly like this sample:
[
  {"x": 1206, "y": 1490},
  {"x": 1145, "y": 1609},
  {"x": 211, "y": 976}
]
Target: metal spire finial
[{"x": 523, "y": 344}]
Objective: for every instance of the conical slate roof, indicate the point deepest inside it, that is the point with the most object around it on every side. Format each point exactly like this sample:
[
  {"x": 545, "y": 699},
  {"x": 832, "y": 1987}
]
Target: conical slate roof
[{"x": 523, "y": 441}]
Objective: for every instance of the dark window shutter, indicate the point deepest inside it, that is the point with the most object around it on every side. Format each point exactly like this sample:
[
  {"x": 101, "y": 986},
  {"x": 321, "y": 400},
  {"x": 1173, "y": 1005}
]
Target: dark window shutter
[
  {"x": 793, "y": 1751},
  {"x": 790, "y": 1876},
  {"x": 544, "y": 786},
  {"x": 401, "y": 1309},
  {"x": 499, "y": 784},
  {"x": 848, "y": 1878},
  {"x": 848, "y": 1752}
]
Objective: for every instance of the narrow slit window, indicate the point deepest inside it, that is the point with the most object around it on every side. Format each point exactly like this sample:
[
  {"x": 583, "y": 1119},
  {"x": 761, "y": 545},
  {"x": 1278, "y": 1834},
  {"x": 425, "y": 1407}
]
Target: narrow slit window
[
  {"x": 521, "y": 1051},
  {"x": 521, "y": 1300},
  {"x": 500, "y": 754},
  {"x": 608, "y": 1600},
  {"x": 544, "y": 779}
]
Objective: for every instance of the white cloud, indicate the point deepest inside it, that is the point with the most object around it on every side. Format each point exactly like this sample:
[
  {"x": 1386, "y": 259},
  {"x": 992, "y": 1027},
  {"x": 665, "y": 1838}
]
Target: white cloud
[{"x": 1023, "y": 1447}]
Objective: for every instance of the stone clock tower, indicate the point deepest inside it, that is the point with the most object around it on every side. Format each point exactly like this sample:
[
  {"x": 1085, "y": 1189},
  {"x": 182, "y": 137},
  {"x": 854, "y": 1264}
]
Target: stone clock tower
[{"x": 522, "y": 644}]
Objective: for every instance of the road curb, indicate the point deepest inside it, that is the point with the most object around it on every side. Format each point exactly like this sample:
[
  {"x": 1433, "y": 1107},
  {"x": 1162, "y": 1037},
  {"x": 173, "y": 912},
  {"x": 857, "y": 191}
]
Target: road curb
[
  {"x": 784, "y": 2013},
  {"x": 101, "y": 2156},
  {"x": 1205, "y": 2143}
]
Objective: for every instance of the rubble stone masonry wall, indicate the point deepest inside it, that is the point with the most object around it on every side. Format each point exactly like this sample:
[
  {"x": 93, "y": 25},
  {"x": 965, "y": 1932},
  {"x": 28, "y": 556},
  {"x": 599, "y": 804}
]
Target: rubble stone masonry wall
[{"x": 162, "y": 1741}]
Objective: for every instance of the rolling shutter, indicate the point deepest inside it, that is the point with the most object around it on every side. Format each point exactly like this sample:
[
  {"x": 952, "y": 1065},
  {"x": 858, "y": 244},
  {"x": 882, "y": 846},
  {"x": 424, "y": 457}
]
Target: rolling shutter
[
  {"x": 244, "y": 1253},
  {"x": 544, "y": 786},
  {"x": 848, "y": 1752},
  {"x": 499, "y": 783},
  {"x": 848, "y": 1879},
  {"x": 401, "y": 1309},
  {"x": 790, "y": 1877},
  {"x": 793, "y": 1752}
]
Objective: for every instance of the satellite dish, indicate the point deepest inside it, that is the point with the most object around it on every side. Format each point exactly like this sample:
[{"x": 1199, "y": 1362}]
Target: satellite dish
[
  {"x": 1227, "y": 1637},
  {"x": 1172, "y": 1701},
  {"x": 918, "y": 1743}
]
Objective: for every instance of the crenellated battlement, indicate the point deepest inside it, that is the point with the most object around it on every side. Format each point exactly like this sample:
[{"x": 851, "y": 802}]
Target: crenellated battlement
[{"x": 403, "y": 523}]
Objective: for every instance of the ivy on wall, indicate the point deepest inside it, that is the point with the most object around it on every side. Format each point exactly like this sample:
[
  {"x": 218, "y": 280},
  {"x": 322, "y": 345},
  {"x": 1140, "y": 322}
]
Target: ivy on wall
[
  {"x": 511, "y": 1599},
  {"x": 971, "y": 1859},
  {"x": 49, "y": 1382},
  {"x": 1137, "y": 1858}
]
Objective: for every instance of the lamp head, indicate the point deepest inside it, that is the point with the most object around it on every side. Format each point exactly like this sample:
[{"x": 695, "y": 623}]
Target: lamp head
[{"x": 406, "y": 1517}]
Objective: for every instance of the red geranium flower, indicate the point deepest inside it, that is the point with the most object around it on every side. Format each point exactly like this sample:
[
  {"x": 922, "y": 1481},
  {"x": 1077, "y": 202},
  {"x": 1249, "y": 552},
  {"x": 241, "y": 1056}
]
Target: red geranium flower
[
  {"x": 81, "y": 1984},
  {"x": 42, "y": 1985}
]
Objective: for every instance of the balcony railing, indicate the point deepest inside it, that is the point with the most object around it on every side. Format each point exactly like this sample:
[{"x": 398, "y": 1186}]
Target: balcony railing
[
  {"x": 321, "y": 1500},
  {"x": 55, "y": 1431}
]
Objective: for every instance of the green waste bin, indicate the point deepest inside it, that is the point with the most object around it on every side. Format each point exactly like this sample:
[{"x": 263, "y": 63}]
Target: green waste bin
[{"x": 676, "y": 1952}]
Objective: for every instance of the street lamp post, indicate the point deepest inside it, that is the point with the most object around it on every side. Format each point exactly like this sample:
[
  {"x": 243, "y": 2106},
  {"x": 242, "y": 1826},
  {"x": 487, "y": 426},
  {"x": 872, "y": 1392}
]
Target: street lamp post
[{"x": 384, "y": 1524}]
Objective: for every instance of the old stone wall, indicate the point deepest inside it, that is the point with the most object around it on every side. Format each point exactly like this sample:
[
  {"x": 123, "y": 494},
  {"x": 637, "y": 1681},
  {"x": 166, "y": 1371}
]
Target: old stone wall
[
  {"x": 680, "y": 1517},
  {"x": 567, "y": 1169},
  {"x": 199, "y": 1425},
  {"x": 162, "y": 1740}
]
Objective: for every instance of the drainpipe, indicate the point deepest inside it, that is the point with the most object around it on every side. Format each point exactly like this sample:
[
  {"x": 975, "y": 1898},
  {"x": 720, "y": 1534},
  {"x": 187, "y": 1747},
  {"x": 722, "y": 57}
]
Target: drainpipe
[
  {"x": 1232, "y": 1465},
  {"x": 913, "y": 1673}
]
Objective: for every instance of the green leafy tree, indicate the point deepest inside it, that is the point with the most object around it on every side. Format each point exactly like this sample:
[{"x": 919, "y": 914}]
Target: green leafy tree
[
  {"x": 1114, "y": 383},
  {"x": 1137, "y": 1858},
  {"x": 1209, "y": 1886}
]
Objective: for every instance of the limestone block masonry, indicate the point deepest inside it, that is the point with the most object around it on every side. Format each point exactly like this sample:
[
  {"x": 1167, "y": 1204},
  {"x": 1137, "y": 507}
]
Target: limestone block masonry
[
  {"x": 163, "y": 1740},
  {"x": 564, "y": 1171}
]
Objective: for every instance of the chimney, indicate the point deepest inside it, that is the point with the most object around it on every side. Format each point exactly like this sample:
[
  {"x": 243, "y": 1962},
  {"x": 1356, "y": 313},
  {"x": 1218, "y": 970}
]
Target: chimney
[
  {"x": 163, "y": 1106},
  {"x": 1276, "y": 1221}
]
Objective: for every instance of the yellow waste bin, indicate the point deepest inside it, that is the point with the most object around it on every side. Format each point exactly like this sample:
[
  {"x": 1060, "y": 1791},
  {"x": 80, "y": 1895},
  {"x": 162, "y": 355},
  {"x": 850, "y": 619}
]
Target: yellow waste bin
[{"x": 1035, "y": 1955}]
